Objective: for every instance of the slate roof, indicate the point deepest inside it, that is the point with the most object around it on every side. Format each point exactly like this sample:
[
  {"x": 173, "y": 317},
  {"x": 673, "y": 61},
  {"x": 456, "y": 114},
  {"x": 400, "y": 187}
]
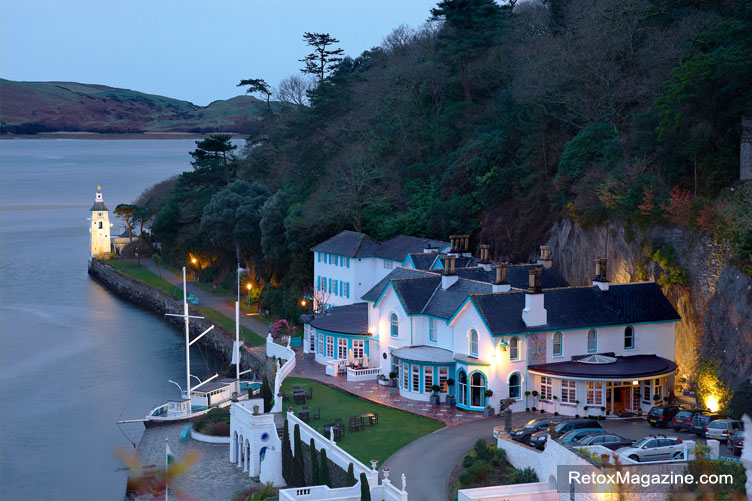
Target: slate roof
[
  {"x": 517, "y": 276},
  {"x": 355, "y": 244},
  {"x": 98, "y": 206},
  {"x": 349, "y": 319},
  {"x": 423, "y": 261},
  {"x": 421, "y": 292},
  {"x": 623, "y": 368},
  {"x": 578, "y": 307}
]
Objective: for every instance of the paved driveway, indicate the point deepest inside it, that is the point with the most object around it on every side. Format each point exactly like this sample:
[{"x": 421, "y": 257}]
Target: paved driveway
[{"x": 429, "y": 461}]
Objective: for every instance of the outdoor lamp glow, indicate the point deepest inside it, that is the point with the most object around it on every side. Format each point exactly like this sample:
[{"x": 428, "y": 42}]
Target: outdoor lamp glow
[
  {"x": 302, "y": 302},
  {"x": 193, "y": 260},
  {"x": 635, "y": 383},
  {"x": 249, "y": 286}
]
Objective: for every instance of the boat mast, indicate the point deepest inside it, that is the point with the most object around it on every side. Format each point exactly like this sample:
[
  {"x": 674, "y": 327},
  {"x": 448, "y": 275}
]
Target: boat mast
[
  {"x": 237, "y": 340},
  {"x": 187, "y": 340}
]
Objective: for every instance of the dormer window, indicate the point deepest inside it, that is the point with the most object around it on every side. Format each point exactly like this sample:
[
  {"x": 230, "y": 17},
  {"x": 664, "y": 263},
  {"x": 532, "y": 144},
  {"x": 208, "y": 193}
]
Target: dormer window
[
  {"x": 473, "y": 342},
  {"x": 592, "y": 341}
]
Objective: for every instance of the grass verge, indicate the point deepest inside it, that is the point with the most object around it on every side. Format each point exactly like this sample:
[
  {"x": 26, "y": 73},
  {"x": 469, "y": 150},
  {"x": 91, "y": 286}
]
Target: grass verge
[
  {"x": 229, "y": 325},
  {"x": 395, "y": 430},
  {"x": 131, "y": 269}
]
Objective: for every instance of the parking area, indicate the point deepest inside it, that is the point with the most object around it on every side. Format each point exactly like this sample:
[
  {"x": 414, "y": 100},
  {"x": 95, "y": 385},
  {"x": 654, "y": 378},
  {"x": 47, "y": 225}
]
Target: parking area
[{"x": 638, "y": 428}]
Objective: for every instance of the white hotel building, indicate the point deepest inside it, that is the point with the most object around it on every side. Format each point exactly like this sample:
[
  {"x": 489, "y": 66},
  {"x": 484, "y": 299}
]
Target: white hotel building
[{"x": 436, "y": 313}]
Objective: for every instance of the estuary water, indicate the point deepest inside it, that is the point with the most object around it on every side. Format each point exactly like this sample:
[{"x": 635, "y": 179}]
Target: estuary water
[{"x": 74, "y": 358}]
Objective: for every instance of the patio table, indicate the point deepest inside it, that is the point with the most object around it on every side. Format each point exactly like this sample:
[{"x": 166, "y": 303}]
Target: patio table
[
  {"x": 304, "y": 414},
  {"x": 367, "y": 418}
]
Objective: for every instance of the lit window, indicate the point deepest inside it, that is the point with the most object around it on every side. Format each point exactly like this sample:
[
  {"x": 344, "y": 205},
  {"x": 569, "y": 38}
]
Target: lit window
[
  {"x": 474, "y": 342},
  {"x": 427, "y": 378},
  {"x": 395, "y": 325},
  {"x": 628, "y": 338},
  {"x": 329, "y": 346},
  {"x": 416, "y": 377},
  {"x": 592, "y": 341},
  {"x": 443, "y": 377},
  {"x": 477, "y": 390},
  {"x": 358, "y": 349},
  {"x": 514, "y": 348},
  {"x": 557, "y": 344},
  {"x": 594, "y": 393},
  {"x": 341, "y": 348}
]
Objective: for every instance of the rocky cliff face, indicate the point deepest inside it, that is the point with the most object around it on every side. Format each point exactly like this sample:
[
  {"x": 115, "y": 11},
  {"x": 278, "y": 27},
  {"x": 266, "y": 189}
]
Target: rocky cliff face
[{"x": 715, "y": 304}]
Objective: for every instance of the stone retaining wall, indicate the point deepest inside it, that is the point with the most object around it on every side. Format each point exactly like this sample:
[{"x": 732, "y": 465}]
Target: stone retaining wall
[{"x": 219, "y": 341}]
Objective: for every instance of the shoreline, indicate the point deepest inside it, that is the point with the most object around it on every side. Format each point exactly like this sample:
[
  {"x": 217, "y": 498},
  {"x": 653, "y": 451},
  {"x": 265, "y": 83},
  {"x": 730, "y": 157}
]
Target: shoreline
[{"x": 112, "y": 136}]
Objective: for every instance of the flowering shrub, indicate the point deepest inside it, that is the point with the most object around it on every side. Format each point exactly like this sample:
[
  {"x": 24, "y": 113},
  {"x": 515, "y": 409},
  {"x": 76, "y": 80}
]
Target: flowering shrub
[{"x": 282, "y": 328}]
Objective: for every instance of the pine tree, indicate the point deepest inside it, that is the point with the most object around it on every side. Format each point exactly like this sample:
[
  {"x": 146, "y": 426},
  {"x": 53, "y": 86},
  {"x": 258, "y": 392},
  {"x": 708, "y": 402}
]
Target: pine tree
[
  {"x": 286, "y": 455},
  {"x": 350, "y": 480},
  {"x": 314, "y": 464},
  {"x": 266, "y": 394},
  {"x": 297, "y": 465},
  {"x": 323, "y": 59},
  {"x": 324, "y": 471},
  {"x": 365, "y": 489}
]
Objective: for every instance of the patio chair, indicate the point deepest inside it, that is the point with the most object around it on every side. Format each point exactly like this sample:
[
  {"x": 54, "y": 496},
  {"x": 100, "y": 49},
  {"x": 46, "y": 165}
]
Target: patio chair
[
  {"x": 309, "y": 393},
  {"x": 299, "y": 399},
  {"x": 317, "y": 414},
  {"x": 355, "y": 423},
  {"x": 284, "y": 395},
  {"x": 375, "y": 418}
]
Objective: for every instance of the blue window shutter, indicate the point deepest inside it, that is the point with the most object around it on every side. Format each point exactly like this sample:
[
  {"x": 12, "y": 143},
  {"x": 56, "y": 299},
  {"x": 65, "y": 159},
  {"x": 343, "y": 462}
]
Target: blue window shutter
[
  {"x": 330, "y": 286},
  {"x": 348, "y": 262},
  {"x": 347, "y": 289},
  {"x": 341, "y": 288},
  {"x": 318, "y": 282}
]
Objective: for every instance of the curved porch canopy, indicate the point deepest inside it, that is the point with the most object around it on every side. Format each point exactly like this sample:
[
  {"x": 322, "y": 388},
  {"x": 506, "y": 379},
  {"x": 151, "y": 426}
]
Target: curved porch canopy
[
  {"x": 425, "y": 354},
  {"x": 608, "y": 367}
]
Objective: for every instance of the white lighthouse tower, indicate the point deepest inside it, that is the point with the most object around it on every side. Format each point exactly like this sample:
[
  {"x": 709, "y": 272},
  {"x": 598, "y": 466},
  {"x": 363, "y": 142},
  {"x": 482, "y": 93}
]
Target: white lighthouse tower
[{"x": 100, "y": 226}]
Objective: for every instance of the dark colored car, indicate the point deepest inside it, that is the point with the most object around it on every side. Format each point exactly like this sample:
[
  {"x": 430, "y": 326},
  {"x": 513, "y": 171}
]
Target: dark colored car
[
  {"x": 539, "y": 439},
  {"x": 682, "y": 421},
  {"x": 524, "y": 433},
  {"x": 736, "y": 442},
  {"x": 607, "y": 440},
  {"x": 701, "y": 421},
  {"x": 661, "y": 416}
]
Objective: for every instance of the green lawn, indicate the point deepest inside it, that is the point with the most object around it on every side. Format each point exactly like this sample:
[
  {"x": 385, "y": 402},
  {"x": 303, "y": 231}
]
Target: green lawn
[
  {"x": 219, "y": 291},
  {"x": 229, "y": 325},
  {"x": 142, "y": 274},
  {"x": 395, "y": 430}
]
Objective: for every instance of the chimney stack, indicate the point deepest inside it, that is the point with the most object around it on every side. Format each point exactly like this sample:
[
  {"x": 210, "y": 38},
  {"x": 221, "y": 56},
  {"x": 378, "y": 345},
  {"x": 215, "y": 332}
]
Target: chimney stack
[
  {"x": 450, "y": 276},
  {"x": 428, "y": 248},
  {"x": 534, "y": 313},
  {"x": 501, "y": 284},
  {"x": 485, "y": 257},
  {"x": 600, "y": 279},
  {"x": 545, "y": 256}
]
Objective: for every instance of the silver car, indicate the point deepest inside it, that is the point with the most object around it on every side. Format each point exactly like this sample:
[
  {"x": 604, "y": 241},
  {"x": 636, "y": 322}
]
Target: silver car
[
  {"x": 653, "y": 449},
  {"x": 721, "y": 429}
]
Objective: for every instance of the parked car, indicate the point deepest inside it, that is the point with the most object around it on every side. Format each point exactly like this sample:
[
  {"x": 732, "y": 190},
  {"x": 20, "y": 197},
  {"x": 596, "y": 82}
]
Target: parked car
[
  {"x": 720, "y": 429},
  {"x": 736, "y": 442},
  {"x": 661, "y": 416},
  {"x": 653, "y": 448},
  {"x": 701, "y": 421},
  {"x": 538, "y": 440},
  {"x": 682, "y": 421},
  {"x": 608, "y": 440},
  {"x": 573, "y": 436},
  {"x": 524, "y": 433}
]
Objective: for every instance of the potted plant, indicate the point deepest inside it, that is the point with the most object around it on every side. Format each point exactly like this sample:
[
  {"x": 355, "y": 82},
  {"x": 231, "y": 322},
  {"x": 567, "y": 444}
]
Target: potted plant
[
  {"x": 393, "y": 390},
  {"x": 603, "y": 409},
  {"x": 534, "y": 393},
  {"x": 665, "y": 399},
  {"x": 435, "y": 394},
  {"x": 450, "y": 400},
  {"x": 656, "y": 399},
  {"x": 577, "y": 411},
  {"x": 556, "y": 413},
  {"x": 383, "y": 380},
  {"x": 489, "y": 410},
  {"x": 527, "y": 394}
]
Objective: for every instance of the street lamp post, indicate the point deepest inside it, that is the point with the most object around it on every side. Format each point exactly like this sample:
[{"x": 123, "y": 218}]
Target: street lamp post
[
  {"x": 249, "y": 286},
  {"x": 193, "y": 262}
]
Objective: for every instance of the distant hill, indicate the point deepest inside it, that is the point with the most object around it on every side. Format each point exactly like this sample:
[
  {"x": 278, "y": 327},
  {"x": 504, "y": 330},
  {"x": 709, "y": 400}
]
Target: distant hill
[{"x": 34, "y": 107}]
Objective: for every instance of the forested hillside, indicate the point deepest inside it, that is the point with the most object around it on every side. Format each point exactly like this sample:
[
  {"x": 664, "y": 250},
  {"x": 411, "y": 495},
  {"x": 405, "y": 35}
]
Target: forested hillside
[{"x": 490, "y": 120}]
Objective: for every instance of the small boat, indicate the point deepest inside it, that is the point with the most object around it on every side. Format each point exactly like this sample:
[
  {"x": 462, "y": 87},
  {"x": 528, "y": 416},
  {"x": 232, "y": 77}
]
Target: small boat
[{"x": 206, "y": 395}]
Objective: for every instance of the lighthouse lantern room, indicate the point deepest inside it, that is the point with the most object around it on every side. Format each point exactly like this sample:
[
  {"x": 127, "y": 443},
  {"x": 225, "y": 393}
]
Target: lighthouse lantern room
[{"x": 100, "y": 226}]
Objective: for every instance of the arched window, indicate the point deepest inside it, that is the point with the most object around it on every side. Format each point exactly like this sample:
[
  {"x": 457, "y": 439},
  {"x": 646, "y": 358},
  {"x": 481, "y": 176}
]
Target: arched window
[
  {"x": 477, "y": 389},
  {"x": 628, "y": 338},
  {"x": 514, "y": 386},
  {"x": 592, "y": 341},
  {"x": 395, "y": 325},
  {"x": 557, "y": 344},
  {"x": 514, "y": 349},
  {"x": 474, "y": 342},
  {"x": 462, "y": 387}
]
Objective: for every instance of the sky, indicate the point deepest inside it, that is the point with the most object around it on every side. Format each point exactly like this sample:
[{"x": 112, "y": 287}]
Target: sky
[{"x": 190, "y": 49}]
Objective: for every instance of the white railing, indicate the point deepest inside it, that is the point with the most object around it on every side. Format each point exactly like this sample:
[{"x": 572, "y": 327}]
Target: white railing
[
  {"x": 321, "y": 492},
  {"x": 362, "y": 374},
  {"x": 540, "y": 491},
  {"x": 333, "y": 451},
  {"x": 282, "y": 353}
]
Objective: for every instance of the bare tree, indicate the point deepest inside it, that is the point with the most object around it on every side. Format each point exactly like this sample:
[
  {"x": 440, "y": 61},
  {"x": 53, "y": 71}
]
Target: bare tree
[{"x": 294, "y": 90}]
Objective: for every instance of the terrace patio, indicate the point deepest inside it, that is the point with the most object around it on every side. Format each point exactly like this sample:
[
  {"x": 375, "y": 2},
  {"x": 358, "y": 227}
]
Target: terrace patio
[{"x": 306, "y": 367}]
